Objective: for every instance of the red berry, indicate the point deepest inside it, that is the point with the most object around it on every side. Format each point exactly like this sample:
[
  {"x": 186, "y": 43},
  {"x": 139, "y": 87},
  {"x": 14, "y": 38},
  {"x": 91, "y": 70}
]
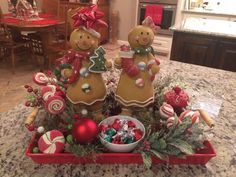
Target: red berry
[
  {"x": 36, "y": 91},
  {"x": 26, "y": 86},
  {"x": 30, "y": 127},
  {"x": 76, "y": 116},
  {"x": 29, "y": 89},
  {"x": 49, "y": 72},
  {"x": 36, "y": 103},
  {"x": 38, "y": 97},
  {"x": 27, "y": 103}
]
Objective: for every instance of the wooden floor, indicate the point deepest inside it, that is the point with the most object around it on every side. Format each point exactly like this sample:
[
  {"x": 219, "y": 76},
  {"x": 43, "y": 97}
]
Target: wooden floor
[{"x": 12, "y": 90}]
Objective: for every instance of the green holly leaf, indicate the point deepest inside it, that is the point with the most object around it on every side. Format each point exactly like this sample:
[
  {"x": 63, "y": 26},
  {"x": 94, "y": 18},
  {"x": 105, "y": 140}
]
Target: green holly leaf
[
  {"x": 183, "y": 146},
  {"x": 147, "y": 160},
  {"x": 153, "y": 137},
  {"x": 159, "y": 154},
  {"x": 171, "y": 150},
  {"x": 181, "y": 128},
  {"x": 162, "y": 144}
]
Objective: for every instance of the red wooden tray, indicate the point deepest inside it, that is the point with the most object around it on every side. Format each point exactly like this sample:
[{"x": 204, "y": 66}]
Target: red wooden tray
[{"x": 201, "y": 157}]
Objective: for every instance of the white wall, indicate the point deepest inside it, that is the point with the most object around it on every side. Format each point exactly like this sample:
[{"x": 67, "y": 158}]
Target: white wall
[
  {"x": 4, "y": 6},
  {"x": 127, "y": 16}
]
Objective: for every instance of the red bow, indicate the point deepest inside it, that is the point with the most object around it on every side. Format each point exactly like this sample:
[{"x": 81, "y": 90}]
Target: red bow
[
  {"x": 148, "y": 22},
  {"x": 89, "y": 17},
  {"x": 74, "y": 59}
]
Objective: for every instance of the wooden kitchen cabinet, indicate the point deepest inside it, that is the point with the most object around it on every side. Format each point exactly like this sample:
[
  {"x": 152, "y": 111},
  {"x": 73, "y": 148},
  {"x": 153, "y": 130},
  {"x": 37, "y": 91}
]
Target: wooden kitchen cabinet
[
  {"x": 103, "y": 6},
  {"x": 205, "y": 50},
  {"x": 225, "y": 57}
]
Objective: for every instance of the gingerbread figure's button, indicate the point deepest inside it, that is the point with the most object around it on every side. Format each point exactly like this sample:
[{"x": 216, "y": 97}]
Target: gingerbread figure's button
[
  {"x": 84, "y": 72},
  {"x": 142, "y": 65},
  {"x": 139, "y": 82},
  {"x": 86, "y": 88}
]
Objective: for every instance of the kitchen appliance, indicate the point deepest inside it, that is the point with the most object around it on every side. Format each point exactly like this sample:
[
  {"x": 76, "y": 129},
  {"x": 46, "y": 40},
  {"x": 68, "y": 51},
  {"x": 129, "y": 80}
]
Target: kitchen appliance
[{"x": 168, "y": 14}]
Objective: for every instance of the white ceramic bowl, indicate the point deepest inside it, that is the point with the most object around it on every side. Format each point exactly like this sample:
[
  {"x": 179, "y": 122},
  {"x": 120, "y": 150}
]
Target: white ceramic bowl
[{"x": 121, "y": 147}]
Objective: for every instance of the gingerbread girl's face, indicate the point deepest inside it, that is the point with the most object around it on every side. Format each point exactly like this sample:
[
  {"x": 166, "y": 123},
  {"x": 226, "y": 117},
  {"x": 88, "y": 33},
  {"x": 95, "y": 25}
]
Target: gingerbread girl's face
[
  {"x": 81, "y": 40},
  {"x": 140, "y": 36}
]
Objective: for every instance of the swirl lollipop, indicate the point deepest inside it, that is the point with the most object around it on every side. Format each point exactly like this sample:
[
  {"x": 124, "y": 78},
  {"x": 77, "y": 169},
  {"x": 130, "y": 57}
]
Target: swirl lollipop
[
  {"x": 55, "y": 105},
  {"x": 54, "y": 102}
]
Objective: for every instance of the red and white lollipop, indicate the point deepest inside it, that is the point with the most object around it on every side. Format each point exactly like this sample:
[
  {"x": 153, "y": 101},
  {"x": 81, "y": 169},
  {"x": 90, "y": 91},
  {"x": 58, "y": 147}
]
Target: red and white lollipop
[
  {"x": 51, "y": 142},
  {"x": 41, "y": 79},
  {"x": 54, "y": 103},
  {"x": 193, "y": 114},
  {"x": 166, "y": 111},
  {"x": 48, "y": 91}
]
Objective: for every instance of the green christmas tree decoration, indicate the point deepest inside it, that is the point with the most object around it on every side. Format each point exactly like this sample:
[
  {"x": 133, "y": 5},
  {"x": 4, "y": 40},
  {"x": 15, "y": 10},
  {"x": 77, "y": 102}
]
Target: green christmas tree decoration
[{"x": 98, "y": 61}]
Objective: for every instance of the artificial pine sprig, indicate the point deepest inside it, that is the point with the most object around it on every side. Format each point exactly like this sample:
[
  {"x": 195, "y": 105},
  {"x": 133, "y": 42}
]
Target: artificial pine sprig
[
  {"x": 181, "y": 139},
  {"x": 88, "y": 150}
]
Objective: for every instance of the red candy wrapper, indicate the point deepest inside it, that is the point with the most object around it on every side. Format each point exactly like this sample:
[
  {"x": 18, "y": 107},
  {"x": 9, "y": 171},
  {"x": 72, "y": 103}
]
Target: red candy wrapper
[
  {"x": 116, "y": 124},
  {"x": 103, "y": 128},
  {"x": 120, "y": 132},
  {"x": 137, "y": 134},
  {"x": 131, "y": 124}
]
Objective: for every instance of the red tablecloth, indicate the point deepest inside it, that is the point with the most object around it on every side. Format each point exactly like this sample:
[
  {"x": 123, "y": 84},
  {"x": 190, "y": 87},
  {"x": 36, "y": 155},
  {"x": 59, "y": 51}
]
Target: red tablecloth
[{"x": 47, "y": 19}]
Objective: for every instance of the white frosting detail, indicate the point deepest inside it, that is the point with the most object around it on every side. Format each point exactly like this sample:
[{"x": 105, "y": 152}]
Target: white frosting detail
[
  {"x": 84, "y": 72},
  {"x": 126, "y": 54}
]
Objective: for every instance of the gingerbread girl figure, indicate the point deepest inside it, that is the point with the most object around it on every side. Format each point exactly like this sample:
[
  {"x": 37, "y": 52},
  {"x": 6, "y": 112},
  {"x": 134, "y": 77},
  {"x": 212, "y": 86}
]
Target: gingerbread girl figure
[
  {"x": 139, "y": 66},
  {"x": 82, "y": 66}
]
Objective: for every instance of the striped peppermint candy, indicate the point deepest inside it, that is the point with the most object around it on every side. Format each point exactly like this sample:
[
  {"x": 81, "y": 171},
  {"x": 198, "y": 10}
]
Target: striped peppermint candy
[
  {"x": 170, "y": 122},
  {"x": 51, "y": 142},
  {"x": 193, "y": 114},
  {"x": 166, "y": 111},
  {"x": 48, "y": 91}
]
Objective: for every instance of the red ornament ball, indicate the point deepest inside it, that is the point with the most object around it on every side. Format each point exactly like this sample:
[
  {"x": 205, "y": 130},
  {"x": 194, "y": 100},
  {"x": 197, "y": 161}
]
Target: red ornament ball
[{"x": 84, "y": 130}]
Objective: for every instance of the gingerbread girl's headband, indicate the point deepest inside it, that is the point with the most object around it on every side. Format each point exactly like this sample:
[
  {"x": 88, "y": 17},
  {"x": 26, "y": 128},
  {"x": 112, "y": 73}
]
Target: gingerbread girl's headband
[
  {"x": 89, "y": 18},
  {"x": 148, "y": 22}
]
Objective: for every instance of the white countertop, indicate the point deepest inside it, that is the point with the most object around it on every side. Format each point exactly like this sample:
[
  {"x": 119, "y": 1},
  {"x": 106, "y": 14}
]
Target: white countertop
[{"x": 207, "y": 26}]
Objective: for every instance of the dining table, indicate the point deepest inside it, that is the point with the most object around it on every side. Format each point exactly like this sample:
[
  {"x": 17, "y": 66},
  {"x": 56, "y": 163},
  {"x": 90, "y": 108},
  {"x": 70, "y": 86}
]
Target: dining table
[{"x": 44, "y": 26}]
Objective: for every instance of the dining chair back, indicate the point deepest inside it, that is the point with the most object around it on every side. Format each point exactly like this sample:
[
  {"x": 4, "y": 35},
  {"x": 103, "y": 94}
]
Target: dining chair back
[
  {"x": 1, "y": 13},
  {"x": 50, "y": 7},
  {"x": 14, "y": 44}
]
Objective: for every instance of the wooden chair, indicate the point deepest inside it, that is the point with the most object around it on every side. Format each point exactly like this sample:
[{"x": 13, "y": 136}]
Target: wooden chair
[
  {"x": 62, "y": 47},
  {"x": 50, "y": 7},
  {"x": 13, "y": 43}
]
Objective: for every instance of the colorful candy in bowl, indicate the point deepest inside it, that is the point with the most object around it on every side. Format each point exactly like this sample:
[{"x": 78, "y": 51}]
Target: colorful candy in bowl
[{"x": 121, "y": 133}]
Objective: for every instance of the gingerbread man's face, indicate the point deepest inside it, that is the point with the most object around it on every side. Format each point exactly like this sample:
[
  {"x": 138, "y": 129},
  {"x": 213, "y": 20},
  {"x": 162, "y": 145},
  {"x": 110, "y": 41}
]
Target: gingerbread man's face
[
  {"x": 140, "y": 36},
  {"x": 81, "y": 40}
]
